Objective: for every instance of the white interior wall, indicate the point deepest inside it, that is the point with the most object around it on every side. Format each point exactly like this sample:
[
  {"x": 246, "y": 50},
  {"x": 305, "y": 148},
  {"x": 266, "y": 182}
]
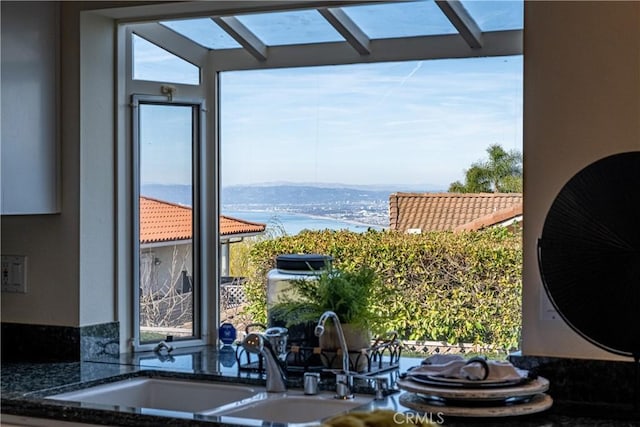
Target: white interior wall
[
  {"x": 97, "y": 170},
  {"x": 581, "y": 103}
]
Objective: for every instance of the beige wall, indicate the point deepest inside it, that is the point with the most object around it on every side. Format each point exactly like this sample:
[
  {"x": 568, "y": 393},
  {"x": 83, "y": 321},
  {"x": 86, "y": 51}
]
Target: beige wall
[{"x": 581, "y": 103}]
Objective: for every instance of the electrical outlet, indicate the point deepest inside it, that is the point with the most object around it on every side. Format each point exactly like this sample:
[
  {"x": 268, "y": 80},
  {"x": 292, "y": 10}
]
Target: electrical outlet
[{"x": 14, "y": 273}]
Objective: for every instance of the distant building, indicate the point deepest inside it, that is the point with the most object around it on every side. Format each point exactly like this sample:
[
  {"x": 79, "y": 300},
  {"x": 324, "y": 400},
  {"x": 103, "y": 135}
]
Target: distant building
[
  {"x": 422, "y": 212},
  {"x": 166, "y": 244}
]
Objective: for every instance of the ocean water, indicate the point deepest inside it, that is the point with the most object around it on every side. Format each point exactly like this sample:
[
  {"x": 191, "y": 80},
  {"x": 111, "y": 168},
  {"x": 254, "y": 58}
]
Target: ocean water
[{"x": 294, "y": 223}]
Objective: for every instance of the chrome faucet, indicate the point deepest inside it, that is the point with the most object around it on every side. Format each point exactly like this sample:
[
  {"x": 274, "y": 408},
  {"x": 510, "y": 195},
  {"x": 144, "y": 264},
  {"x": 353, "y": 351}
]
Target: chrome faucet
[
  {"x": 344, "y": 379},
  {"x": 257, "y": 344}
]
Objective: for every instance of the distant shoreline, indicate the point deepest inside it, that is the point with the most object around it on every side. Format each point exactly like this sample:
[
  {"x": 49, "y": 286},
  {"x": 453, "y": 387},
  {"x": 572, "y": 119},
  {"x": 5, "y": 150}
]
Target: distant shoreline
[
  {"x": 348, "y": 221},
  {"x": 312, "y": 216}
]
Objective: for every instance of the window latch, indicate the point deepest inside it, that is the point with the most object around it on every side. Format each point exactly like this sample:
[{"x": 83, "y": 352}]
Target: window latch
[{"x": 169, "y": 91}]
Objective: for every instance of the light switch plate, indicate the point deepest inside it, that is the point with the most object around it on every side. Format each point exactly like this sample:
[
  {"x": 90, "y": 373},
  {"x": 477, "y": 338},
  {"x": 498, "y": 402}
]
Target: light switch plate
[{"x": 14, "y": 273}]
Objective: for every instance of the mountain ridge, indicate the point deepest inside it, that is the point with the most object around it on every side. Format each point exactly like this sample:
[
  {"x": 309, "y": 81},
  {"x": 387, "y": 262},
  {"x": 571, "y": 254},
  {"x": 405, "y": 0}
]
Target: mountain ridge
[
  {"x": 279, "y": 194},
  {"x": 391, "y": 188},
  {"x": 361, "y": 205}
]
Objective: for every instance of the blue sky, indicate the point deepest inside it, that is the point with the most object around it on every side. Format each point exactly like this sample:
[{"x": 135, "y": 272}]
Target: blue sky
[
  {"x": 417, "y": 123},
  {"x": 165, "y": 144}
]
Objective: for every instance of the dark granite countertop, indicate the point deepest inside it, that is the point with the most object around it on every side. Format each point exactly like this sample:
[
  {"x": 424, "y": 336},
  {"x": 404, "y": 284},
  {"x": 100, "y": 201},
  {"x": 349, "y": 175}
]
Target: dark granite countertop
[{"x": 24, "y": 387}]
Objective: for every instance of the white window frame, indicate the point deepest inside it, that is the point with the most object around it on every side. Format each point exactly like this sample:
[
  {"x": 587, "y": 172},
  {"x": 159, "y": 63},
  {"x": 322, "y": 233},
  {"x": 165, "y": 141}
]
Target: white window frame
[
  {"x": 254, "y": 56},
  {"x": 204, "y": 246},
  {"x": 197, "y": 131}
]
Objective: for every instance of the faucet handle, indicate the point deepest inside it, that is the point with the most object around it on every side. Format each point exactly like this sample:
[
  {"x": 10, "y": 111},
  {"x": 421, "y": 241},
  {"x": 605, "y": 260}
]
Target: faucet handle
[
  {"x": 311, "y": 381},
  {"x": 344, "y": 384},
  {"x": 381, "y": 385}
]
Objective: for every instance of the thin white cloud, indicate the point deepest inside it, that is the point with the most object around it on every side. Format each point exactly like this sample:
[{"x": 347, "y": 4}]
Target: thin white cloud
[{"x": 400, "y": 122}]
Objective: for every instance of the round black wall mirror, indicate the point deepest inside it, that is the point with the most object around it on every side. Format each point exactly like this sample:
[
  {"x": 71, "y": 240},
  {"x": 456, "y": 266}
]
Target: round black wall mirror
[{"x": 589, "y": 253}]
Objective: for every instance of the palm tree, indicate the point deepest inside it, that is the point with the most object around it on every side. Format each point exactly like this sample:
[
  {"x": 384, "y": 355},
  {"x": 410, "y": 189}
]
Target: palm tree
[{"x": 502, "y": 173}]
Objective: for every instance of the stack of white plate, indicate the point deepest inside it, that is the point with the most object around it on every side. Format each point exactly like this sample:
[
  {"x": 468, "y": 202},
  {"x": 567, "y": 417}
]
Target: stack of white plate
[{"x": 457, "y": 397}]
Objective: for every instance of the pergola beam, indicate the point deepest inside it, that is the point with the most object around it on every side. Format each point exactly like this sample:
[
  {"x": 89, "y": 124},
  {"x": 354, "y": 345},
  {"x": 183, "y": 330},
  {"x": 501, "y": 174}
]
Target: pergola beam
[
  {"x": 347, "y": 29},
  {"x": 448, "y": 46},
  {"x": 462, "y": 21},
  {"x": 243, "y": 36},
  {"x": 173, "y": 42}
]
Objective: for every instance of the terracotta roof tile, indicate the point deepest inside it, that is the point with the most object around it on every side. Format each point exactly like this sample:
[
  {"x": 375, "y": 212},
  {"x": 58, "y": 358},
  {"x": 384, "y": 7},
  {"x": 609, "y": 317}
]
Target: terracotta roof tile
[
  {"x": 497, "y": 217},
  {"x": 444, "y": 211},
  {"x": 162, "y": 221},
  {"x": 230, "y": 225}
]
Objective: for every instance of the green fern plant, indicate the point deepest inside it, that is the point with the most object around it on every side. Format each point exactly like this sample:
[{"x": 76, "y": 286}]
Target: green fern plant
[{"x": 349, "y": 294}]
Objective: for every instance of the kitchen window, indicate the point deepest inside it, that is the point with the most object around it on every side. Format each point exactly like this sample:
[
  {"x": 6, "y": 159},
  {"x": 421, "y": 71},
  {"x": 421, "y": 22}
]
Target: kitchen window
[{"x": 202, "y": 48}]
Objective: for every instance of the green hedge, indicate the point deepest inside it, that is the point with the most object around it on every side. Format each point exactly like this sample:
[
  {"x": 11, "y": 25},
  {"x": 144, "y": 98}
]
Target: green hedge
[{"x": 443, "y": 286}]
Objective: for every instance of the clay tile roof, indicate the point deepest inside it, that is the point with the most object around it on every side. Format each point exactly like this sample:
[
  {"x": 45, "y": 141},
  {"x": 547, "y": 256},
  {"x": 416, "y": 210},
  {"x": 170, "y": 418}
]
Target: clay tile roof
[
  {"x": 422, "y": 212},
  {"x": 498, "y": 217},
  {"x": 230, "y": 225},
  {"x": 162, "y": 221}
]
